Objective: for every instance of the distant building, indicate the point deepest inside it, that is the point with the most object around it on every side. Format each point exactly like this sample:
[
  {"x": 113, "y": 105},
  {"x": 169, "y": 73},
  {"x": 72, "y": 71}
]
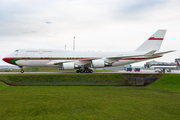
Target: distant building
[{"x": 155, "y": 64}]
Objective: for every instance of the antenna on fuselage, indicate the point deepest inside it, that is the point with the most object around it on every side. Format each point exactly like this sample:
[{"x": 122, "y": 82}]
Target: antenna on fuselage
[
  {"x": 65, "y": 47},
  {"x": 74, "y": 44}
]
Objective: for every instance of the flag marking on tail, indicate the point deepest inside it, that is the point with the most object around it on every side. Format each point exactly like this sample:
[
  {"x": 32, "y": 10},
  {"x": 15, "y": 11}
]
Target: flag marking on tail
[
  {"x": 153, "y": 43},
  {"x": 152, "y": 38}
]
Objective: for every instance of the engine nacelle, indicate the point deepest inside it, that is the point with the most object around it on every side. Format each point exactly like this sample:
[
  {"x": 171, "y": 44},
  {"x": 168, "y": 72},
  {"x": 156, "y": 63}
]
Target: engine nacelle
[
  {"x": 98, "y": 64},
  {"x": 68, "y": 66}
]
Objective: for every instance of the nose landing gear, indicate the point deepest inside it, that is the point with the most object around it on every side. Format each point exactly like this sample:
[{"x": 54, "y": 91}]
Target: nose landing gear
[{"x": 22, "y": 71}]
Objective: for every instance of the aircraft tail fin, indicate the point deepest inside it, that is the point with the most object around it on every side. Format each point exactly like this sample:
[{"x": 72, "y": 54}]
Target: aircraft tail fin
[
  {"x": 154, "y": 42},
  {"x": 178, "y": 64}
]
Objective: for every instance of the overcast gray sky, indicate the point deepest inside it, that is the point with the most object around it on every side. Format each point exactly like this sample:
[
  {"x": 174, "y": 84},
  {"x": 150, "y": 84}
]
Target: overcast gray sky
[{"x": 98, "y": 25}]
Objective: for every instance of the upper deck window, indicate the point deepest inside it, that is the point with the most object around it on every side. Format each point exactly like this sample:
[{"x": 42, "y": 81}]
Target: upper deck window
[
  {"x": 47, "y": 51},
  {"x": 16, "y": 51},
  {"x": 32, "y": 51}
]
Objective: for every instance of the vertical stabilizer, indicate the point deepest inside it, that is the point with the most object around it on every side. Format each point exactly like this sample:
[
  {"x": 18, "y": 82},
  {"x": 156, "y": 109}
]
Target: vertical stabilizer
[
  {"x": 178, "y": 64},
  {"x": 154, "y": 42}
]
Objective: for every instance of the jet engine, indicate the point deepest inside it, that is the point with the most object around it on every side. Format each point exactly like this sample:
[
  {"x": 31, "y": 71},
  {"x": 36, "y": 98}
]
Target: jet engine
[
  {"x": 68, "y": 66},
  {"x": 98, "y": 64}
]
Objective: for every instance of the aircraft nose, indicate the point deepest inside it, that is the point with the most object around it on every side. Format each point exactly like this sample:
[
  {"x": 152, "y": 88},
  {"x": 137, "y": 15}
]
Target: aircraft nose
[
  {"x": 4, "y": 59},
  {"x": 8, "y": 60}
]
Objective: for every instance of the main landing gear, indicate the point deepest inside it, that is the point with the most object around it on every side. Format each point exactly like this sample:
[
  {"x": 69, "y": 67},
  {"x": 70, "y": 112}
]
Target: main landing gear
[{"x": 84, "y": 71}]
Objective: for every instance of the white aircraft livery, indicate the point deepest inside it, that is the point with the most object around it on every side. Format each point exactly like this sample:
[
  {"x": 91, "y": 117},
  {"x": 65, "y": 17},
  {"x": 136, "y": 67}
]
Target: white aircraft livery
[{"x": 84, "y": 61}]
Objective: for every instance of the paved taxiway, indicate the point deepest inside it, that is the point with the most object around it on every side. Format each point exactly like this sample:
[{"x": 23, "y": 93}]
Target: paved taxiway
[
  {"x": 150, "y": 71},
  {"x": 122, "y": 71}
]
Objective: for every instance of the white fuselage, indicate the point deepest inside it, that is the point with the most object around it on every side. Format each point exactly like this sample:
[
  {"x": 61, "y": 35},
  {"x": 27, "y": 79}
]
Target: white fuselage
[{"x": 54, "y": 58}]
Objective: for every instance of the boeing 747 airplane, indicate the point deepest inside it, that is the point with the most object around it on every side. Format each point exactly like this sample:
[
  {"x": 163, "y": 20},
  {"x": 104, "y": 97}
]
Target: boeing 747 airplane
[{"x": 84, "y": 61}]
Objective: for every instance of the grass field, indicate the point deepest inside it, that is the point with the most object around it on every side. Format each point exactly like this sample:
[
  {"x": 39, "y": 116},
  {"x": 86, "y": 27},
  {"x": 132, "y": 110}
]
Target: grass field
[
  {"x": 154, "y": 102},
  {"x": 64, "y": 79},
  {"x": 163, "y": 83}
]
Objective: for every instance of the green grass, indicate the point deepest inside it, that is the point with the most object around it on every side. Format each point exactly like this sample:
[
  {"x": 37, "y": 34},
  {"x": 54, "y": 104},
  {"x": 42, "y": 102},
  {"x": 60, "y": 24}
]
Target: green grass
[
  {"x": 9, "y": 70},
  {"x": 2, "y": 85},
  {"x": 71, "y": 103},
  {"x": 159, "y": 101},
  {"x": 64, "y": 79},
  {"x": 168, "y": 82}
]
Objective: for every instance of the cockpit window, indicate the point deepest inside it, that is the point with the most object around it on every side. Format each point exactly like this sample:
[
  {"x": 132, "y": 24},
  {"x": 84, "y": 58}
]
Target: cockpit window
[{"x": 16, "y": 50}]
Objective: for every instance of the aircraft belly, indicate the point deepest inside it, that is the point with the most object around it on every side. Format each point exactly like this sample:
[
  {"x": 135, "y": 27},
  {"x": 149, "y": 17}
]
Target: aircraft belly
[{"x": 32, "y": 63}]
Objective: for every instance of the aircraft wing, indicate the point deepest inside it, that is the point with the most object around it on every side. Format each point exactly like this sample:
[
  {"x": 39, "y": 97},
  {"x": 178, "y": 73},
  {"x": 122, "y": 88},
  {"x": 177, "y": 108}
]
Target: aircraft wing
[
  {"x": 57, "y": 62},
  {"x": 113, "y": 59},
  {"x": 136, "y": 55},
  {"x": 149, "y": 54}
]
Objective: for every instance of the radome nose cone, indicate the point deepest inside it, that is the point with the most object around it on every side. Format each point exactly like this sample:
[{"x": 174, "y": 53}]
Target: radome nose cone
[
  {"x": 4, "y": 59},
  {"x": 8, "y": 60}
]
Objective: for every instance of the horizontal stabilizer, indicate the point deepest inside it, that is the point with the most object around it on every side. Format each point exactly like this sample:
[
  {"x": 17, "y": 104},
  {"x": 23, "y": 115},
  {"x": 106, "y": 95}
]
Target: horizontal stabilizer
[{"x": 161, "y": 53}]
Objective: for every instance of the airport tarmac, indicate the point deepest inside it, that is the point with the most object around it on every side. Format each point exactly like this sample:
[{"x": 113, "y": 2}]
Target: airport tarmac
[
  {"x": 121, "y": 71},
  {"x": 150, "y": 71}
]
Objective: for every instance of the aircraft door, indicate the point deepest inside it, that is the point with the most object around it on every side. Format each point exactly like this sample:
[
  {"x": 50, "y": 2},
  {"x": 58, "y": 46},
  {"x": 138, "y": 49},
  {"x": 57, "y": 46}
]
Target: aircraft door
[
  {"x": 120, "y": 55},
  {"x": 41, "y": 51},
  {"x": 50, "y": 57},
  {"x": 26, "y": 57}
]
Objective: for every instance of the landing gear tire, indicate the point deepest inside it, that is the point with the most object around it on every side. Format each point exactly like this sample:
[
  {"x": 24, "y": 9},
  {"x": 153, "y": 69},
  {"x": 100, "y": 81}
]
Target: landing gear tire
[
  {"x": 79, "y": 71},
  {"x": 84, "y": 71},
  {"x": 22, "y": 71},
  {"x": 91, "y": 71}
]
